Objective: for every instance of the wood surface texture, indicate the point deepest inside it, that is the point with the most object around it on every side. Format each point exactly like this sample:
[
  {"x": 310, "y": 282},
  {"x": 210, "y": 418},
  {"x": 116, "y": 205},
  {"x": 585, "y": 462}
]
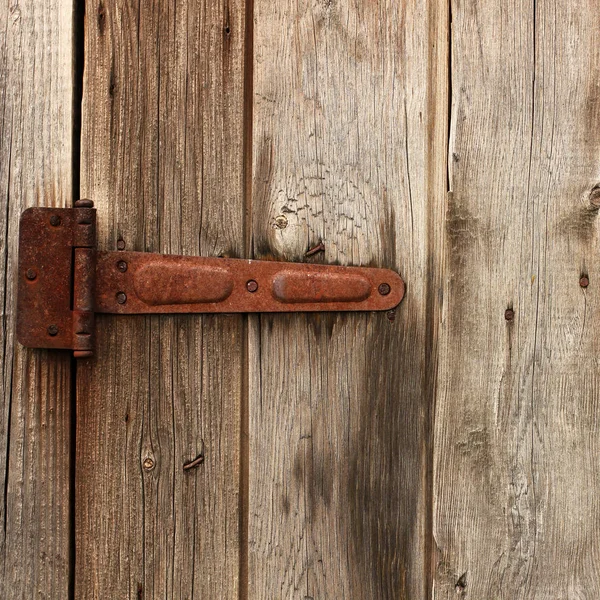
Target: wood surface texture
[
  {"x": 36, "y": 120},
  {"x": 345, "y": 152},
  {"x": 445, "y": 450},
  {"x": 516, "y": 444},
  {"x": 162, "y": 157}
]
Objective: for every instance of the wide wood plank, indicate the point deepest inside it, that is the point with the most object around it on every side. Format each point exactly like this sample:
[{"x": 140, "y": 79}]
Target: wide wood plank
[
  {"x": 162, "y": 159},
  {"x": 517, "y": 480},
  {"x": 349, "y": 141},
  {"x": 36, "y": 91}
]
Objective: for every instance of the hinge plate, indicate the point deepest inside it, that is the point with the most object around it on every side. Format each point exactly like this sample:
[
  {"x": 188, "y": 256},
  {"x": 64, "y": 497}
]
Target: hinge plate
[{"x": 64, "y": 281}]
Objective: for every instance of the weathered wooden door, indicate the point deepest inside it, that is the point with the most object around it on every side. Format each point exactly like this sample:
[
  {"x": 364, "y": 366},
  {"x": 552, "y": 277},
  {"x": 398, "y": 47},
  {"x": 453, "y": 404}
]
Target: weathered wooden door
[{"x": 447, "y": 449}]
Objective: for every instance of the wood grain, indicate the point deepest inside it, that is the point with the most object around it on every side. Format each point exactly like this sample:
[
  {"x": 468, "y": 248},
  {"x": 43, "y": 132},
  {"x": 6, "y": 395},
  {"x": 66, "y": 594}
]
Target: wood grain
[
  {"x": 349, "y": 139},
  {"x": 516, "y": 469},
  {"x": 162, "y": 158},
  {"x": 36, "y": 90}
]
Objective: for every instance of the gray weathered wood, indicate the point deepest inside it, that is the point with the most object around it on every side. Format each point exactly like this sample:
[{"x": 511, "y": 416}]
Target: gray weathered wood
[
  {"x": 36, "y": 90},
  {"x": 516, "y": 455},
  {"x": 162, "y": 158},
  {"x": 348, "y": 148}
]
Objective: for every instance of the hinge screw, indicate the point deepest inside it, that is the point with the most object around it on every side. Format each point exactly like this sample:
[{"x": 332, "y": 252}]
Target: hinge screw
[
  {"x": 31, "y": 274},
  {"x": 52, "y": 330},
  {"x": 252, "y": 286},
  {"x": 121, "y": 297},
  {"x": 55, "y": 220},
  {"x": 384, "y": 289},
  {"x": 122, "y": 266}
]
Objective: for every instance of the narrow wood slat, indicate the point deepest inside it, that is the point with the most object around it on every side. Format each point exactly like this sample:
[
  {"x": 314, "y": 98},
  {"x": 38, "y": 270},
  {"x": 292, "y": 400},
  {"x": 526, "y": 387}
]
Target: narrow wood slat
[
  {"x": 162, "y": 159},
  {"x": 36, "y": 90},
  {"x": 348, "y": 148},
  {"x": 517, "y": 477}
]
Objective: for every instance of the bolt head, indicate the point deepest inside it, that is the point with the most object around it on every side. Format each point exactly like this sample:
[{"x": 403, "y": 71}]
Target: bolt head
[
  {"x": 584, "y": 281},
  {"x": 55, "y": 220},
  {"x": 384, "y": 289},
  {"x": 121, "y": 297},
  {"x": 52, "y": 330},
  {"x": 31, "y": 274},
  {"x": 122, "y": 266},
  {"x": 252, "y": 286}
]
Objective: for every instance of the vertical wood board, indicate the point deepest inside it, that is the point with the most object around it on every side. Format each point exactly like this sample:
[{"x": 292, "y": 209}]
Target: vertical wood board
[
  {"x": 516, "y": 470},
  {"x": 36, "y": 131},
  {"x": 348, "y": 149},
  {"x": 162, "y": 158}
]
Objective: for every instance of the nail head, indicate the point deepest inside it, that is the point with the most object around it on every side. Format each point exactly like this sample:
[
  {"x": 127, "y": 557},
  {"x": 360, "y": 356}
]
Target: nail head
[{"x": 281, "y": 222}]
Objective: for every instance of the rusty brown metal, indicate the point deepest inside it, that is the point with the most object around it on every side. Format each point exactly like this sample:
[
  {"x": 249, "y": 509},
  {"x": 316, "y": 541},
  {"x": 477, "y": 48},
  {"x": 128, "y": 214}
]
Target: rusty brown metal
[
  {"x": 55, "y": 249},
  {"x": 64, "y": 281},
  {"x": 154, "y": 283}
]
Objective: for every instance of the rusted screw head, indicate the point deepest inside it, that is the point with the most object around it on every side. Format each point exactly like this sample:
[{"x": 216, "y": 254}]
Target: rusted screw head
[
  {"x": 252, "y": 286},
  {"x": 509, "y": 314},
  {"x": 148, "y": 463},
  {"x": 121, "y": 245},
  {"x": 52, "y": 330},
  {"x": 384, "y": 289},
  {"x": 122, "y": 266},
  {"x": 55, "y": 220},
  {"x": 121, "y": 297},
  {"x": 584, "y": 281},
  {"x": 31, "y": 274},
  {"x": 84, "y": 203}
]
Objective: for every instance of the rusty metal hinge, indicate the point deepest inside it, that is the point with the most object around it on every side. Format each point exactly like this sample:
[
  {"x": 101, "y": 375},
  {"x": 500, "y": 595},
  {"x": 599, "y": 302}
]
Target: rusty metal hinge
[{"x": 64, "y": 281}]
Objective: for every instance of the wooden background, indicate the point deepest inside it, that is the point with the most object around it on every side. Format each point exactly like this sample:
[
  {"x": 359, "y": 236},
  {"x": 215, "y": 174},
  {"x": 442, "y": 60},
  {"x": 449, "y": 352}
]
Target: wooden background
[{"x": 442, "y": 451}]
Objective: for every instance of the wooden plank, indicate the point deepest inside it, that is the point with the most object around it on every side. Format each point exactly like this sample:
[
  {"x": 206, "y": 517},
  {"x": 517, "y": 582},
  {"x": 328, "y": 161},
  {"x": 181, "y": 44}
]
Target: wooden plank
[
  {"x": 36, "y": 90},
  {"x": 517, "y": 481},
  {"x": 162, "y": 158},
  {"x": 348, "y": 148}
]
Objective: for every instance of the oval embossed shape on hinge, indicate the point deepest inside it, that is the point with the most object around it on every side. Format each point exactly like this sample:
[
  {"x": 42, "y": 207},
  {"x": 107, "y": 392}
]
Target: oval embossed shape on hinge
[
  {"x": 320, "y": 287},
  {"x": 162, "y": 284}
]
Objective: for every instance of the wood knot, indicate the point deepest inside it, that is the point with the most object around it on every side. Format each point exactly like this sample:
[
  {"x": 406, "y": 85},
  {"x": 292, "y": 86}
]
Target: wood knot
[
  {"x": 595, "y": 196},
  {"x": 461, "y": 584}
]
